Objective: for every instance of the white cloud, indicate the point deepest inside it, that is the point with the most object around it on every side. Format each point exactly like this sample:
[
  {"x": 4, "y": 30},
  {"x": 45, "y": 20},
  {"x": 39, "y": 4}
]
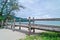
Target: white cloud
[
  {"x": 40, "y": 8},
  {"x": 44, "y": 16},
  {"x": 26, "y": 1}
]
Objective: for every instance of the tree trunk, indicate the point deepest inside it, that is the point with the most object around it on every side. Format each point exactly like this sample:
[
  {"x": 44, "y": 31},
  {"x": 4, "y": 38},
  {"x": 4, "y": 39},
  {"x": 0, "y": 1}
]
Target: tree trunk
[
  {"x": 0, "y": 18},
  {"x": 0, "y": 24}
]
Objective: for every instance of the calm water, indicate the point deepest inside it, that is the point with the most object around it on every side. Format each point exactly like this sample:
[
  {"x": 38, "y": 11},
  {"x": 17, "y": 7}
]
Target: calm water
[{"x": 57, "y": 23}]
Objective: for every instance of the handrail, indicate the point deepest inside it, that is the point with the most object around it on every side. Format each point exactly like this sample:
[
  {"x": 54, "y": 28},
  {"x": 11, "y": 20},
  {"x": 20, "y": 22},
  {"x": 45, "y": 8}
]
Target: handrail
[{"x": 46, "y": 19}]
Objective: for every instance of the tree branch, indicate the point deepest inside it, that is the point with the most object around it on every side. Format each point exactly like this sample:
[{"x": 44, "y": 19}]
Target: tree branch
[{"x": 3, "y": 6}]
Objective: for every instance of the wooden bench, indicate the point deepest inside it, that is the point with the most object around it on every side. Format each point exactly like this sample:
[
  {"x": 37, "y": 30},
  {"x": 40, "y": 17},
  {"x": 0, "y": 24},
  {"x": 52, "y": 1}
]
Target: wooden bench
[{"x": 38, "y": 26}]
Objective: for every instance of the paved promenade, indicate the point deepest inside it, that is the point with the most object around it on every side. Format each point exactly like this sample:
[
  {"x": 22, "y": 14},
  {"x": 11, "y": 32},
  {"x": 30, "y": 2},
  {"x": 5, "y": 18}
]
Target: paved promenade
[
  {"x": 6, "y": 34},
  {"x": 9, "y": 34}
]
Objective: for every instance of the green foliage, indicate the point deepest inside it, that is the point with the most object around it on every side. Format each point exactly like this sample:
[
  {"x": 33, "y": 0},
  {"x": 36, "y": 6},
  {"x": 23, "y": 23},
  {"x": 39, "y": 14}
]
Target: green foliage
[
  {"x": 1, "y": 18},
  {"x": 8, "y": 7},
  {"x": 44, "y": 36}
]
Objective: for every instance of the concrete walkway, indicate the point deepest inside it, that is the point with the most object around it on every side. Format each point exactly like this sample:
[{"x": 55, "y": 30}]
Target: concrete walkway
[
  {"x": 6, "y": 34},
  {"x": 9, "y": 34}
]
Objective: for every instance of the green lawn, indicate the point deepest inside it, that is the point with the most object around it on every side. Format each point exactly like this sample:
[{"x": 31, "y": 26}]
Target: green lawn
[{"x": 44, "y": 36}]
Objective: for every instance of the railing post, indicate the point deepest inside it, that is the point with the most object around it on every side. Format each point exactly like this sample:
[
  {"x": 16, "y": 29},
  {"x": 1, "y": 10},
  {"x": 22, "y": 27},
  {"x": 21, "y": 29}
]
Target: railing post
[
  {"x": 29, "y": 26},
  {"x": 11, "y": 24},
  {"x": 20, "y": 24},
  {"x": 33, "y": 25},
  {"x": 14, "y": 25},
  {"x": 6, "y": 23},
  {"x": 2, "y": 23}
]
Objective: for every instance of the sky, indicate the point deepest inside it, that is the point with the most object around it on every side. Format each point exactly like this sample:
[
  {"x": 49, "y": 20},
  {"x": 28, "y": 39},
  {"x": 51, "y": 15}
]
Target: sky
[{"x": 39, "y": 9}]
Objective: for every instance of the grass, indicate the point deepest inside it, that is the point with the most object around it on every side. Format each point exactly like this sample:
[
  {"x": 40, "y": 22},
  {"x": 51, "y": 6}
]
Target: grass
[{"x": 44, "y": 36}]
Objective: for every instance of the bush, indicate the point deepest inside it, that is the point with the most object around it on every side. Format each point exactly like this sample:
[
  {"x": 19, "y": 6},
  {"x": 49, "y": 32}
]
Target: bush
[{"x": 44, "y": 36}]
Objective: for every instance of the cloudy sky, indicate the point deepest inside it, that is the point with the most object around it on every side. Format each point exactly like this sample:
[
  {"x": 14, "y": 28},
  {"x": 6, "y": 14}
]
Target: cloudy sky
[{"x": 40, "y": 8}]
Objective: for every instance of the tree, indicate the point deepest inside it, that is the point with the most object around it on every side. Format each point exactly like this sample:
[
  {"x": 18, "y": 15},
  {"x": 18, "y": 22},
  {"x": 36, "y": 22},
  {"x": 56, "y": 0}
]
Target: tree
[{"x": 7, "y": 7}]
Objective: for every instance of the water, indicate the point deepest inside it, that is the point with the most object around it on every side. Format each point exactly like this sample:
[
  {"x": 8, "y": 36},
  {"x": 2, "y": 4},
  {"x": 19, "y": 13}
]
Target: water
[{"x": 57, "y": 23}]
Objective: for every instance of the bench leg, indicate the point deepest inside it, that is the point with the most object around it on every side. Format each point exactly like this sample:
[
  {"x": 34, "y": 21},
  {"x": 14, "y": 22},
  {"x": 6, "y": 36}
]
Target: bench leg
[{"x": 29, "y": 31}]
